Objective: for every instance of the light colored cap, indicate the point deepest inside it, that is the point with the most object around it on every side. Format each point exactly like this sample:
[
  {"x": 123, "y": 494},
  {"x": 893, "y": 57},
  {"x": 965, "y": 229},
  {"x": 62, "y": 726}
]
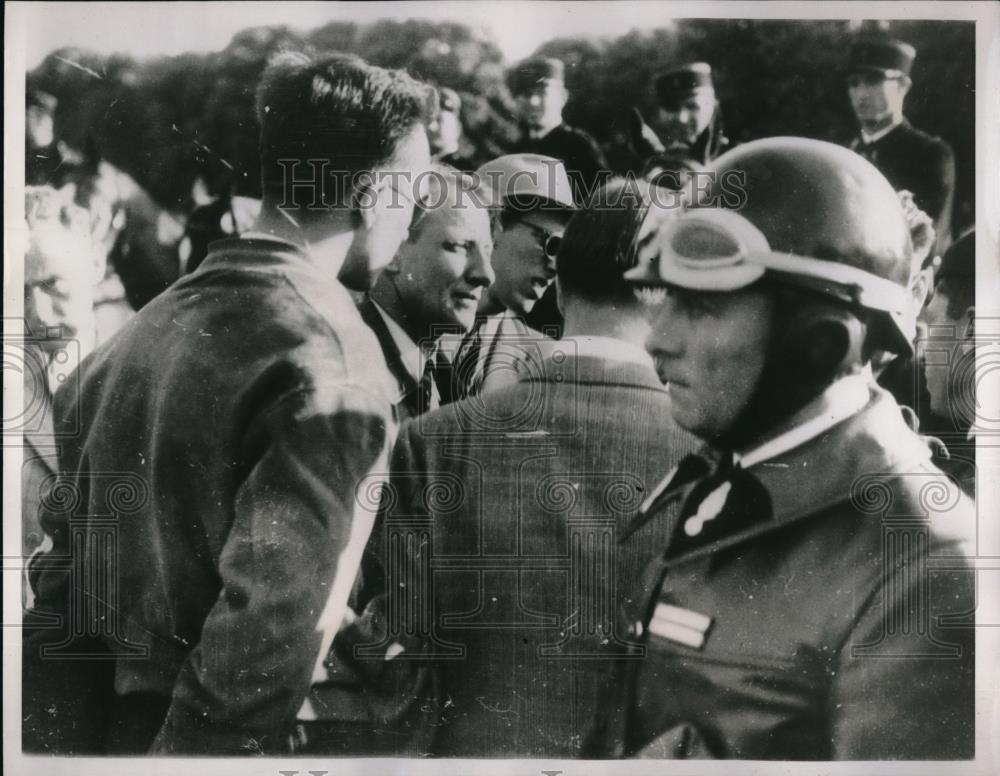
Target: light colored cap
[{"x": 521, "y": 177}]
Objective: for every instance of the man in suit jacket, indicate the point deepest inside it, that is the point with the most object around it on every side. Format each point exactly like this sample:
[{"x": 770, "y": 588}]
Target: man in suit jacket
[
  {"x": 210, "y": 491},
  {"x": 534, "y": 195},
  {"x": 500, "y": 539},
  {"x": 877, "y": 83},
  {"x": 433, "y": 285}
]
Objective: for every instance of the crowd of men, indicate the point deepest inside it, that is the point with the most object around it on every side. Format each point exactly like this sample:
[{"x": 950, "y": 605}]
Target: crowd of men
[{"x": 520, "y": 461}]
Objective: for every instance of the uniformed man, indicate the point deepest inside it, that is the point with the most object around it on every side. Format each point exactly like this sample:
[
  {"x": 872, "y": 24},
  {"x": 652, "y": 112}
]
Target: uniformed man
[
  {"x": 539, "y": 90},
  {"x": 878, "y": 80},
  {"x": 687, "y": 127},
  {"x": 788, "y": 616}
]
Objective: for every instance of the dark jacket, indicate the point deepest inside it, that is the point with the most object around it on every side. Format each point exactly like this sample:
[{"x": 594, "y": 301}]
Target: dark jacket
[
  {"x": 212, "y": 485},
  {"x": 406, "y": 401},
  {"x": 837, "y": 624},
  {"x": 577, "y": 150},
  {"x": 510, "y": 504},
  {"x": 922, "y": 164}
]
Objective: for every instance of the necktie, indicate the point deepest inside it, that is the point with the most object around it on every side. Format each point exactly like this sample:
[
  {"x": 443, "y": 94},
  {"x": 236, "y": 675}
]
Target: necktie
[
  {"x": 425, "y": 388},
  {"x": 444, "y": 378},
  {"x": 716, "y": 500},
  {"x": 467, "y": 377}
]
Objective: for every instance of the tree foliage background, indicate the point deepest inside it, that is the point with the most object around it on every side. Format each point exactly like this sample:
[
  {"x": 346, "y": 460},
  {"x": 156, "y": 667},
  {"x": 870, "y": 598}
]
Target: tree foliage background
[{"x": 166, "y": 121}]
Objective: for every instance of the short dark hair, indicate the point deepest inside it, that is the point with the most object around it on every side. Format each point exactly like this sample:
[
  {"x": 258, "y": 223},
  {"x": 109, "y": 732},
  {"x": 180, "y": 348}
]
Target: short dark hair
[
  {"x": 956, "y": 278},
  {"x": 338, "y": 108},
  {"x": 601, "y": 242}
]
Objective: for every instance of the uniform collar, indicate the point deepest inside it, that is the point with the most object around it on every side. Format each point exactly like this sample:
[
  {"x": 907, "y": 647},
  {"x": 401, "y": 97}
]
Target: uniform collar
[
  {"x": 829, "y": 469},
  {"x": 610, "y": 348},
  {"x": 868, "y": 139},
  {"x": 842, "y": 399}
]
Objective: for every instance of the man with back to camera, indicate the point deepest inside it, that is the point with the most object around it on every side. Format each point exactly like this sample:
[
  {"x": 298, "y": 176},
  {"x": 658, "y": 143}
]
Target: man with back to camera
[
  {"x": 787, "y": 616},
  {"x": 239, "y": 409},
  {"x": 878, "y": 80},
  {"x": 535, "y": 202},
  {"x": 526, "y": 567},
  {"x": 435, "y": 282}
]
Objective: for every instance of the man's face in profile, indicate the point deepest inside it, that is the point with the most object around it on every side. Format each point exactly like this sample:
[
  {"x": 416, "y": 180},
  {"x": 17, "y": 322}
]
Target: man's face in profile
[{"x": 386, "y": 210}]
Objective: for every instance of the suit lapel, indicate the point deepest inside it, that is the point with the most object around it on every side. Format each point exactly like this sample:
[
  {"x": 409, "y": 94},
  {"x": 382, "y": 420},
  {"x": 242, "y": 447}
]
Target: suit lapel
[{"x": 406, "y": 399}]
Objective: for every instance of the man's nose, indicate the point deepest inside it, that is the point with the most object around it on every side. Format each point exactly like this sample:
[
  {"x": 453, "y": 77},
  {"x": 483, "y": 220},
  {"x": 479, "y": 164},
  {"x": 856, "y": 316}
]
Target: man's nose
[
  {"x": 480, "y": 269},
  {"x": 41, "y": 304}
]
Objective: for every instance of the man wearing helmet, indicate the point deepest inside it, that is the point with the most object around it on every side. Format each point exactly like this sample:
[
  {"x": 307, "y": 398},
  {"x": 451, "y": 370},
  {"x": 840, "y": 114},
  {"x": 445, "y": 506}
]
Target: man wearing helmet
[{"x": 790, "y": 614}]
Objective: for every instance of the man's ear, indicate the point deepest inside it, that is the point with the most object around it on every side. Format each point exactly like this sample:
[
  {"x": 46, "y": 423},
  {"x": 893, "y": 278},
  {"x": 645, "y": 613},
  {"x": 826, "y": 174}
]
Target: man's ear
[
  {"x": 920, "y": 288},
  {"x": 904, "y": 85},
  {"x": 365, "y": 204},
  {"x": 970, "y": 322},
  {"x": 395, "y": 266}
]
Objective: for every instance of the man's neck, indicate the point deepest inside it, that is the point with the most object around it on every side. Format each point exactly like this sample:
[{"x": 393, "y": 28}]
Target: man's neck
[
  {"x": 604, "y": 323},
  {"x": 489, "y": 304},
  {"x": 386, "y": 296},
  {"x": 881, "y": 126},
  {"x": 325, "y": 239},
  {"x": 537, "y": 133},
  {"x": 845, "y": 397}
]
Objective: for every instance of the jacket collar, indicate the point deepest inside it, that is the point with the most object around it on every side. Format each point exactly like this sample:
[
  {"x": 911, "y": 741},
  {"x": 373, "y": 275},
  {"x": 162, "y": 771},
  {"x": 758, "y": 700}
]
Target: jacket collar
[
  {"x": 808, "y": 479},
  {"x": 560, "y": 366},
  {"x": 394, "y": 358}
]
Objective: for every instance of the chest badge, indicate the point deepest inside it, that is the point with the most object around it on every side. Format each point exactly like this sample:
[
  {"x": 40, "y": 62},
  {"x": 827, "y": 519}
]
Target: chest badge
[{"x": 682, "y": 626}]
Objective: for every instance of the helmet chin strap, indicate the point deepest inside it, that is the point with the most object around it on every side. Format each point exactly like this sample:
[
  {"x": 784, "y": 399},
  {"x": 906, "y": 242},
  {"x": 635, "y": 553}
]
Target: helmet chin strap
[{"x": 816, "y": 343}]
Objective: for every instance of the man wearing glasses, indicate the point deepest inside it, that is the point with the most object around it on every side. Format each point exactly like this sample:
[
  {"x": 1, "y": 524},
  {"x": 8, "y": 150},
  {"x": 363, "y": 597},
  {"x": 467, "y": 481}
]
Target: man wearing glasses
[
  {"x": 878, "y": 80},
  {"x": 536, "y": 202}
]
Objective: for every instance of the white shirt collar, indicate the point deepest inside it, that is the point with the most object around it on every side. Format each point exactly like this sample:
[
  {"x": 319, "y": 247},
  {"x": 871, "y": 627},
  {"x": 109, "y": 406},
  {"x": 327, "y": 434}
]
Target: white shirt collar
[
  {"x": 610, "y": 348},
  {"x": 409, "y": 351},
  {"x": 867, "y": 139},
  {"x": 844, "y": 398}
]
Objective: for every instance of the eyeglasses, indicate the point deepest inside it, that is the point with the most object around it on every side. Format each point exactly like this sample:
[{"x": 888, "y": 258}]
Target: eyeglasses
[{"x": 550, "y": 242}]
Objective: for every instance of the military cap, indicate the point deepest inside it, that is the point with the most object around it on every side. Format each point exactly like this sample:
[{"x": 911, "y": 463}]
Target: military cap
[
  {"x": 682, "y": 80},
  {"x": 518, "y": 179},
  {"x": 959, "y": 261},
  {"x": 883, "y": 55},
  {"x": 449, "y": 100},
  {"x": 531, "y": 72}
]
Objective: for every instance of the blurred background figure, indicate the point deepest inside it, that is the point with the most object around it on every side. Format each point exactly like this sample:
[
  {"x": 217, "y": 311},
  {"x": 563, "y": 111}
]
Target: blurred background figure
[
  {"x": 215, "y": 216},
  {"x": 688, "y": 121},
  {"x": 445, "y": 131},
  {"x": 61, "y": 271},
  {"x": 878, "y": 80},
  {"x": 46, "y": 160},
  {"x": 949, "y": 361},
  {"x": 539, "y": 90}
]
